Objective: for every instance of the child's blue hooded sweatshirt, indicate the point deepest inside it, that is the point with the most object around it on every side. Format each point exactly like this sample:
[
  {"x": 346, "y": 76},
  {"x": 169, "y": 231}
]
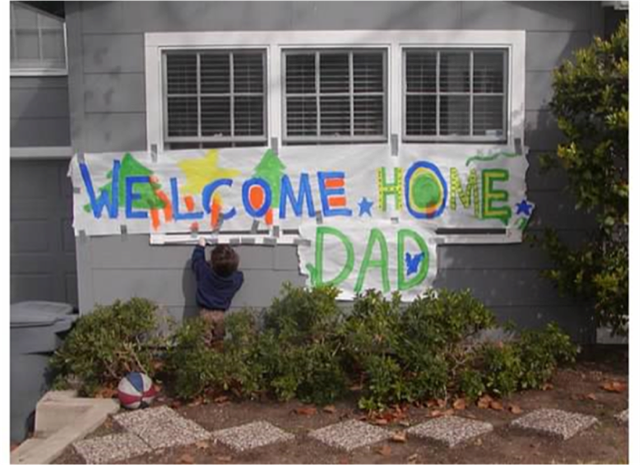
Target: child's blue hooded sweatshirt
[{"x": 214, "y": 292}]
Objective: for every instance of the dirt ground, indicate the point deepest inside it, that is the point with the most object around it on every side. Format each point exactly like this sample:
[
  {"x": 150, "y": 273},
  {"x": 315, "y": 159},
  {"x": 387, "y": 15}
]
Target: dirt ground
[{"x": 577, "y": 389}]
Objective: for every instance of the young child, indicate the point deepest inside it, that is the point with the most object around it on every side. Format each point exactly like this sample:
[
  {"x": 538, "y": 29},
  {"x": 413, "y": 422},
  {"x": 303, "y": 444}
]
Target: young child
[{"x": 217, "y": 282}]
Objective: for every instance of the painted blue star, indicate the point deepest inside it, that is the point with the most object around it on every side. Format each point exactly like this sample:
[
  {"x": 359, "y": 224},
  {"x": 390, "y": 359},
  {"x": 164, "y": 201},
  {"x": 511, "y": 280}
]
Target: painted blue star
[
  {"x": 524, "y": 207},
  {"x": 365, "y": 206}
]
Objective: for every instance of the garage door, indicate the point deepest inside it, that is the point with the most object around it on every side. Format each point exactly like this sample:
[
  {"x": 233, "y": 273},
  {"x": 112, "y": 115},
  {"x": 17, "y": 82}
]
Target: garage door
[{"x": 43, "y": 261}]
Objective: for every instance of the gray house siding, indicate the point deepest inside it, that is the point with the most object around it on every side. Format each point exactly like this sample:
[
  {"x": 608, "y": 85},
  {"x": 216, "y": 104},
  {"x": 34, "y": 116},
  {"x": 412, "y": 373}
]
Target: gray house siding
[
  {"x": 39, "y": 112},
  {"x": 107, "y": 89}
]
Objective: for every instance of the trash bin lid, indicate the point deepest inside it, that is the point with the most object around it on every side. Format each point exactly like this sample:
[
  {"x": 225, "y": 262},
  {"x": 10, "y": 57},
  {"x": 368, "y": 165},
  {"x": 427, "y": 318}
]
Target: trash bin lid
[{"x": 38, "y": 313}]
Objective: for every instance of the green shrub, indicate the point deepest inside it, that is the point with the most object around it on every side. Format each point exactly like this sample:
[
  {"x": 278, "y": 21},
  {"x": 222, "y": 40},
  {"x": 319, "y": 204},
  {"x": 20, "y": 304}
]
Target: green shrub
[
  {"x": 312, "y": 351},
  {"x": 591, "y": 104},
  {"x": 108, "y": 343}
]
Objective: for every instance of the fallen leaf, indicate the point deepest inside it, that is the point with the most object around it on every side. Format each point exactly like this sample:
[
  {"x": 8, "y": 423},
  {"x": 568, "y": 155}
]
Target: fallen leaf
[
  {"x": 404, "y": 423},
  {"x": 308, "y": 411},
  {"x": 478, "y": 442},
  {"x": 202, "y": 445},
  {"x": 613, "y": 386},
  {"x": 400, "y": 436},
  {"x": 547, "y": 387},
  {"x": 356, "y": 387},
  {"x": 195, "y": 402},
  {"x": 107, "y": 393},
  {"x": 441, "y": 403},
  {"x": 329, "y": 409},
  {"x": 221, "y": 399},
  {"x": 412, "y": 458},
  {"x": 431, "y": 403},
  {"x": 435, "y": 413},
  {"x": 344, "y": 460},
  {"x": 381, "y": 421},
  {"x": 513, "y": 408},
  {"x": 495, "y": 405},
  {"x": 448, "y": 412},
  {"x": 176, "y": 404},
  {"x": 384, "y": 450},
  {"x": 185, "y": 458},
  {"x": 484, "y": 401},
  {"x": 591, "y": 396},
  {"x": 460, "y": 404},
  {"x": 223, "y": 458}
]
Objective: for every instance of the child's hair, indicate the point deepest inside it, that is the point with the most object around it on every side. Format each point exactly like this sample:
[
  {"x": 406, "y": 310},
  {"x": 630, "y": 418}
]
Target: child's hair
[{"x": 224, "y": 260}]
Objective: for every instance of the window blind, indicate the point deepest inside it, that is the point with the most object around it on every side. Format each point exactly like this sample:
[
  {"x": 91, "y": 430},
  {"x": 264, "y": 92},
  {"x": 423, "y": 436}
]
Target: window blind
[
  {"x": 215, "y": 99},
  {"x": 455, "y": 95},
  {"x": 335, "y": 96}
]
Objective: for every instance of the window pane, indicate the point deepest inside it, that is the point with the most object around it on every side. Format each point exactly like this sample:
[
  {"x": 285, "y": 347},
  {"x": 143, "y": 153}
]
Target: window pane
[
  {"x": 301, "y": 73},
  {"x": 335, "y": 117},
  {"x": 182, "y": 74},
  {"x": 53, "y": 45},
  {"x": 368, "y": 116},
  {"x": 334, "y": 73},
  {"x": 488, "y": 72},
  {"x": 488, "y": 115},
  {"x": 214, "y": 73},
  {"x": 302, "y": 116},
  {"x": 216, "y": 116},
  {"x": 454, "y": 71},
  {"x": 421, "y": 115},
  {"x": 27, "y": 45},
  {"x": 420, "y": 71},
  {"x": 247, "y": 72},
  {"x": 368, "y": 72},
  {"x": 24, "y": 18},
  {"x": 454, "y": 115},
  {"x": 248, "y": 113},
  {"x": 182, "y": 116}
]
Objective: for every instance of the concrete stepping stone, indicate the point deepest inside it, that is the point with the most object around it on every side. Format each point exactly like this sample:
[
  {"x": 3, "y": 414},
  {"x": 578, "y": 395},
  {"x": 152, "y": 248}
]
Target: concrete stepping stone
[
  {"x": 350, "y": 435},
  {"x": 623, "y": 417},
  {"x": 162, "y": 427},
  {"x": 251, "y": 435},
  {"x": 556, "y": 423},
  {"x": 111, "y": 448},
  {"x": 450, "y": 430}
]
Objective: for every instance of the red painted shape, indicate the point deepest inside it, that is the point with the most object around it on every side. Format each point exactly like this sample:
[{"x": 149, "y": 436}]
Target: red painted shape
[
  {"x": 215, "y": 213},
  {"x": 256, "y": 196},
  {"x": 155, "y": 219},
  {"x": 337, "y": 201},
  {"x": 168, "y": 209},
  {"x": 188, "y": 201},
  {"x": 333, "y": 183}
]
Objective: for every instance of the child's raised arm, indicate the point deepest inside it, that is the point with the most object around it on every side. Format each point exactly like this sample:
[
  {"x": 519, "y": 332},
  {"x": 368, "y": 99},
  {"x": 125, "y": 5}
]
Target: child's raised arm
[{"x": 198, "y": 260}]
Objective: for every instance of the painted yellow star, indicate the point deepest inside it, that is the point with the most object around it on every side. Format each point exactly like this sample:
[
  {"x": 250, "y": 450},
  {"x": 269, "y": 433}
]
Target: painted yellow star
[{"x": 202, "y": 171}]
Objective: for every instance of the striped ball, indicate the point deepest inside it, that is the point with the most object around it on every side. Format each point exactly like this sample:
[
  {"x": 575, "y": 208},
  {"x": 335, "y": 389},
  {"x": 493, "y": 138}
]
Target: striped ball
[{"x": 136, "y": 390}]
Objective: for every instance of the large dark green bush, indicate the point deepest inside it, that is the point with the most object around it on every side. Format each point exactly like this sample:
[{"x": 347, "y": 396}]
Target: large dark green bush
[
  {"x": 309, "y": 349},
  {"x": 591, "y": 104},
  {"x": 108, "y": 343}
]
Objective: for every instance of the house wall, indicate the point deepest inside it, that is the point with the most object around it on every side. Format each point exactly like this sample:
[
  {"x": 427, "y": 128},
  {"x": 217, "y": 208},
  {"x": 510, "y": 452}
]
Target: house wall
[
  {"x": 39, "y": 111},
  {"x": 107, "y": 107}
]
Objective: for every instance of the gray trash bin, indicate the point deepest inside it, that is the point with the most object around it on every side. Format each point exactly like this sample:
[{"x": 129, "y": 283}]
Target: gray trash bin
[{"x": 36, "y": 327}]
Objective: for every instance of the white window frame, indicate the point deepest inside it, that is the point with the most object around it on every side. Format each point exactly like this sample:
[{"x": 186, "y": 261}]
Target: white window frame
[
  {"x": 275, "y": 42},
  {"x": 44, "y": 70}
]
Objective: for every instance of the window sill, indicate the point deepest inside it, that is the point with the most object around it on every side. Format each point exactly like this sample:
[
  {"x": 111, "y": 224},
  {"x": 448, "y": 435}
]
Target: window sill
[{"x": 38, "y": 72}]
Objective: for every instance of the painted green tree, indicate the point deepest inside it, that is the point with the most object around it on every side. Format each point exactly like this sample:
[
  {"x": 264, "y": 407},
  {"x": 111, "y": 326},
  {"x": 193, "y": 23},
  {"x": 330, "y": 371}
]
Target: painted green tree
[
  {"x": 271, "y": 170},
  {"x": 131, "y": 167}
]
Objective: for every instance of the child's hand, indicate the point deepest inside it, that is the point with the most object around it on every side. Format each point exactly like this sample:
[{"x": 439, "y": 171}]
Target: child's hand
[{"x": 202, "y": 242}]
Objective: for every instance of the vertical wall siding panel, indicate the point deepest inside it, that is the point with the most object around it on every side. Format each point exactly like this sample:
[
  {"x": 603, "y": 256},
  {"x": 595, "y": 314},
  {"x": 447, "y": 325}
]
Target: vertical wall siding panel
[
  {"x": 108, "y": 132},
  {"x": 115, "y": 92}
]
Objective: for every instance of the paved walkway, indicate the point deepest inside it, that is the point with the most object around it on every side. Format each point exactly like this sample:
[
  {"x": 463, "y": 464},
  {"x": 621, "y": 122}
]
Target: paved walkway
[{"x": 154, "y": 429}]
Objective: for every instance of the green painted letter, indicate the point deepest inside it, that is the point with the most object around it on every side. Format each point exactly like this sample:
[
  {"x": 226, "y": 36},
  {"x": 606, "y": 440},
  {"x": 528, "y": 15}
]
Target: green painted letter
[
  {"x": 375, "y": 236},
  {"x": 316, "y": 272},
  {"x": 491, "y": 195},
  {"x": 472, "y": 191}
]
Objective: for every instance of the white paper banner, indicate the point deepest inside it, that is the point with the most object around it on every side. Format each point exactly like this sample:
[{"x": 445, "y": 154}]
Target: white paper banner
[{"x": 362, "y": 191}]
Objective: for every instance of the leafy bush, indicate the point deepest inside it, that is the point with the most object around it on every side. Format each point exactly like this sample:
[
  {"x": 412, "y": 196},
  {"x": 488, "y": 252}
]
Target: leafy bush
[
  {"x": 591, "y": 104},
  {"x": 107, "y": 344}
]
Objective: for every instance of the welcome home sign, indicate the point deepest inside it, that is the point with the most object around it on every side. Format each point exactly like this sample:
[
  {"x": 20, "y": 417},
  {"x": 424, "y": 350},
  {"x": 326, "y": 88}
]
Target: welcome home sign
[{"x": 360, "y": 217}]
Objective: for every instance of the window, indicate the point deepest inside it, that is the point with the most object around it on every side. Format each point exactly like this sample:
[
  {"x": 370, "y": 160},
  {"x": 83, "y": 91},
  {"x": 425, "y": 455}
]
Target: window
[
  {"x": 455, "y": 95},
  {"x": 37, "y": 42},
  {"x": 214, "y": 99},
  {"x": 335, "y": 96}
]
